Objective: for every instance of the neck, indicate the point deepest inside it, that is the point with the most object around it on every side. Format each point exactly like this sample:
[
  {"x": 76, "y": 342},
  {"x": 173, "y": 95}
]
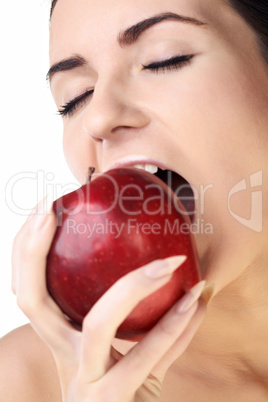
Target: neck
[{"x": 232, "y": 341}]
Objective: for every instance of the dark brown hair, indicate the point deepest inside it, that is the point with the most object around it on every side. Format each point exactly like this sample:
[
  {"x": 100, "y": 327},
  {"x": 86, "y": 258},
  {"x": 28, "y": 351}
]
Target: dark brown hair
[
  {"x": 254, "y": 12},
  {"x": 52, "y": 7}
]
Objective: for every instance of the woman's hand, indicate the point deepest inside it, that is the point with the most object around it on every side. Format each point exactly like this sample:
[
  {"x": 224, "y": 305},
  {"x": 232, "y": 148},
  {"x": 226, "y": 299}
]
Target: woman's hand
[{"x": 89, "y": 368}]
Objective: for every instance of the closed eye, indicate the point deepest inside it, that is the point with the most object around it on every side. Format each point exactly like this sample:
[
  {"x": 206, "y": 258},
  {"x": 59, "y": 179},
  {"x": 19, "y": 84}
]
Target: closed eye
[
  {"x": 71, "y": 107},
  {"x": 174, "y": 63}
]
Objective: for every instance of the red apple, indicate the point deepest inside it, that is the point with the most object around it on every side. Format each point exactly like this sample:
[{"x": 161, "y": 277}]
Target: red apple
[{"x": 114, "y": 224}]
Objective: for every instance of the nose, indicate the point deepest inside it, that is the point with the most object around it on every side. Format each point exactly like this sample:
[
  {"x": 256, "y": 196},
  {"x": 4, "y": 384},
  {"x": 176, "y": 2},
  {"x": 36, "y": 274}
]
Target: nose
[{"x": 112, "y": 110}]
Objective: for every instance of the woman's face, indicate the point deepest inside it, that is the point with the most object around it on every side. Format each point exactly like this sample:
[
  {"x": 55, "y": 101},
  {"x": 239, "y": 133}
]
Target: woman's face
[{"x": 203, "y": 115}]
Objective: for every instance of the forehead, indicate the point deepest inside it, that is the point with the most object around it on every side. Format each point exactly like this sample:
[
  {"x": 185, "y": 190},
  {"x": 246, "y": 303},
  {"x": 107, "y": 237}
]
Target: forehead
[
  {"x": 94, "y": 20},
  {"x": 118, "y": 13}
]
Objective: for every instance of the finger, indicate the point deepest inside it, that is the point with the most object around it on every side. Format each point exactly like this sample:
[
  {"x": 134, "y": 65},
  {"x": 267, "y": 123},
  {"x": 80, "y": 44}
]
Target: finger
[
  {"x": 181, "y": 343},
  {"x": 112, "y": 309},
  {"x": 31, "y": 250},
  {"x": 30, "y": 254},
  {"x": 142, "y": 359},
  {"x": 15, "y": 256},
  {"x": 43, "y": 206}
]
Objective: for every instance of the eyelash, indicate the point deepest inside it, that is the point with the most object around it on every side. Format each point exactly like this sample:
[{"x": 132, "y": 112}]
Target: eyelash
[
  {"x": 174, "y": 63},
  {"x": 70, "y": 107}
]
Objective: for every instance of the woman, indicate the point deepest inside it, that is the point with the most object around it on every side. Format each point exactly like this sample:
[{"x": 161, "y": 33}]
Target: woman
[{"x": 184, "y": 85}]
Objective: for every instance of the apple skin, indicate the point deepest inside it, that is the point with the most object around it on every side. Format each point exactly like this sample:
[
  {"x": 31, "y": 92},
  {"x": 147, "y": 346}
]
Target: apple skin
[{"x": 82, "y": 266}]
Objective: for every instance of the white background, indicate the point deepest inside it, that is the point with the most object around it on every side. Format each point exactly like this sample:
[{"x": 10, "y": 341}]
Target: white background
[{"x": 31, "y": 133}]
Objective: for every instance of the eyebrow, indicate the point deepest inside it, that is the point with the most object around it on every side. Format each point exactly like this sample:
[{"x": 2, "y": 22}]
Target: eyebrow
[
  {"x": 125, "y": 38},
  {"x": 65, "y": 65},
  {"x": 132, "y": 34}
]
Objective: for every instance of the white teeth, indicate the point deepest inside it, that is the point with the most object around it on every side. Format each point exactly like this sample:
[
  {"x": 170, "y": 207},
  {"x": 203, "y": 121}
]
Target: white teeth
[
  {"x": 149, "y": 168},
  {"x": 140, "y": 167}
]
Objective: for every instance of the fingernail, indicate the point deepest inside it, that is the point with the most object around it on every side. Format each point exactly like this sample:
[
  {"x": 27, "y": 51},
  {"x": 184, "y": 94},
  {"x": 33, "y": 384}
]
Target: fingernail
[
  {"x": 42, "y": 210},
  {"x": 49, "y": 203},
  {"x": 167, "y": 266},
  {"x": 208, "y": 293},
  {"x": 190, "y": 298},
  {"x": 34, "y": 210},
  {"x": 43, "y": 206}
]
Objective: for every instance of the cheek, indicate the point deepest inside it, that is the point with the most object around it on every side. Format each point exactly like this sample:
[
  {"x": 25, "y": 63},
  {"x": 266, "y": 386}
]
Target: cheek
[{"x": 218, "y": 113}]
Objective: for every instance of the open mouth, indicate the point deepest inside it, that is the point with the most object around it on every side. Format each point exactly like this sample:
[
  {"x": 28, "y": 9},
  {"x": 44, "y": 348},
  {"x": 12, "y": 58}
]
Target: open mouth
[
  {"x": 181, "y": 188},
  {"x": 179, "y": 185}
]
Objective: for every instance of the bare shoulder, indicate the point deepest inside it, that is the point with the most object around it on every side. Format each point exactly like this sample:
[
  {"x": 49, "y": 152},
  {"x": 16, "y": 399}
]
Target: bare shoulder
[{"x": 27, "y": 368}]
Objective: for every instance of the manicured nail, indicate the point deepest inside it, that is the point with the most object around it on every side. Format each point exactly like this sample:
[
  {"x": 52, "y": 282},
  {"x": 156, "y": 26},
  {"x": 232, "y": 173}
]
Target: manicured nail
[
  {"x": 49, "y": 203},
  {"x": 34, "y": 210},
  {"x": 42, "y": 210},
  {"x": 208, "y": 293},
  {"x": 31, "y": 214},
  {"x": 190, "y": 298},
  {"x": 167, "y": 266},
  {"x": 43, "y": 206}
]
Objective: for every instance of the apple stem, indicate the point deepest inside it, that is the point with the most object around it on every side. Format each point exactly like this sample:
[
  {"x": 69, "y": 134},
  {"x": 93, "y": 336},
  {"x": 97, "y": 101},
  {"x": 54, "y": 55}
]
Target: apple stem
[{"x": 91, "y": 170}]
